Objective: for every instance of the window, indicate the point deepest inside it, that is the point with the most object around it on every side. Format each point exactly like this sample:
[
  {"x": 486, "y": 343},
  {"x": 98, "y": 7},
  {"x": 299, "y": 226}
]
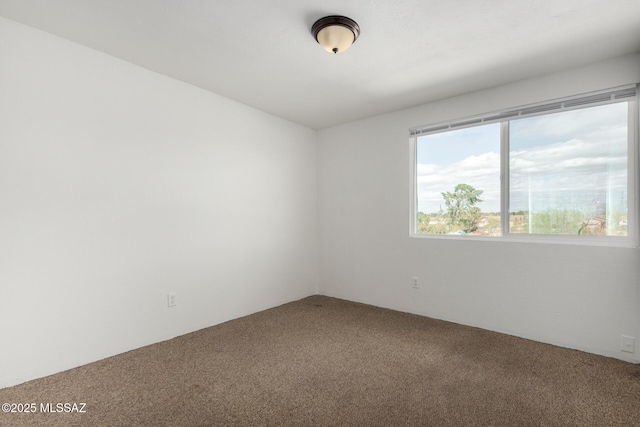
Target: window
[
  {"x": 453, "y": 168},
  {"x": 562, "y": 170}
]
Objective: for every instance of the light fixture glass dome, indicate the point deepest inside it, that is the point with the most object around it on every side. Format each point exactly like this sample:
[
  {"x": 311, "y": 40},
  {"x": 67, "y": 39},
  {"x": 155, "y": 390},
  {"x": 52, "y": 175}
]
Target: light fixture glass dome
[{"x": 335, "y": 33}]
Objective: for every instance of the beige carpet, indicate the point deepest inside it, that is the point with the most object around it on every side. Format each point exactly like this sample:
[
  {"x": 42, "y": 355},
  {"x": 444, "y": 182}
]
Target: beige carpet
[{"x": 327, "y": 362}]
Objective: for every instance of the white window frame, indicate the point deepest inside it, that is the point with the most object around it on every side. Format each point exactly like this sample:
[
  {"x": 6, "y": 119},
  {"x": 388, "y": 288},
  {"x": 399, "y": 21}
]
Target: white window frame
[{"x": 565, "y": 104}]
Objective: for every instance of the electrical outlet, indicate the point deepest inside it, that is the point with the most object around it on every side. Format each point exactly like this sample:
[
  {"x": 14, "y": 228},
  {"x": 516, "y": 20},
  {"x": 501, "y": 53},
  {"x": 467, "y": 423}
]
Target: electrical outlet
[
  {"x": 628, "y": 344},
  {"x": 171, "y": 299},
  {"x": 414, "y": 282}
]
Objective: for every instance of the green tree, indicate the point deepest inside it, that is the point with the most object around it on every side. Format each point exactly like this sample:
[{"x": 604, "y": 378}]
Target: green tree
[
  {"x": 430, "y": 224},
  {"x": 461, "y": 209},
  {"x": 422, "y": 223}
]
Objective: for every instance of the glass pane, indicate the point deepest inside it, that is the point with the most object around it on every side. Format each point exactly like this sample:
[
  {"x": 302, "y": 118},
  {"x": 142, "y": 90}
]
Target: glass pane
[
  {"x": 568, "y": 172},
  {"x": 458, "y": 182}
]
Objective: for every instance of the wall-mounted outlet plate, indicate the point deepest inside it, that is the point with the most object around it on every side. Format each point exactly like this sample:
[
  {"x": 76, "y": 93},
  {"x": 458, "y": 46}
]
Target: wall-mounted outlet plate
[
  {"x": 171, "y": 299},
  {"x": 628, "y": 344},
  {"x": 414, "y": 282}
]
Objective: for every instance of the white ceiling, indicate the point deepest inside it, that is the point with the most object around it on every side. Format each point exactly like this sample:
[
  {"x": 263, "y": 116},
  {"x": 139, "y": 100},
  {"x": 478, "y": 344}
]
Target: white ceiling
[{"x": 261, "y": 53}]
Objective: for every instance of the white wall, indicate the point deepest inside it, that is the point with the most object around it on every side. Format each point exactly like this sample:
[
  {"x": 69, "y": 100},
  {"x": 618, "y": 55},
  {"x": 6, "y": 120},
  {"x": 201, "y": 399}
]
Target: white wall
[
  {"x": 119, "y": 185},
  {"x": 581, "y": 297}
]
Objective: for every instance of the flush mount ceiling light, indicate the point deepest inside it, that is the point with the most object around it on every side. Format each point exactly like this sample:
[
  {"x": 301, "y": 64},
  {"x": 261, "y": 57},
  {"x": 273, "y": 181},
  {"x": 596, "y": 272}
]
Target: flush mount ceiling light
[{"x": 335, "y": 33}]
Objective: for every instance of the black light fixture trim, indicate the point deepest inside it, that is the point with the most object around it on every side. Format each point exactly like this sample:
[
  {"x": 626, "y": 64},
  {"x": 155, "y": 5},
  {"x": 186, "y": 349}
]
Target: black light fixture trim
[{"x": 335, "y": 20}]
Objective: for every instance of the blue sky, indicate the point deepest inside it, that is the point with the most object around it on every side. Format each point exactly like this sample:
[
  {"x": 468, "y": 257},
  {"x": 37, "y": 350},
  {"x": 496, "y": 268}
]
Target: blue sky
[
  {"x": 470, "y": 156},
  {"x": 562, "y": 160}
]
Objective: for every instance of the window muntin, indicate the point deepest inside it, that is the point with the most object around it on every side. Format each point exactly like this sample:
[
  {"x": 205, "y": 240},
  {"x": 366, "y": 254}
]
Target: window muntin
[{"x": 569, "y": 169}]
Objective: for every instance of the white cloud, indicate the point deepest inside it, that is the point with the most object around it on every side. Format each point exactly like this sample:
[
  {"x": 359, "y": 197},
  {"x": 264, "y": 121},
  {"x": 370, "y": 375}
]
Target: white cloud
[
  {"x": 570, "y": 159},
  {"x": 570, "y": 174},
  {"x": 592, "y": 124},
  {"x": 481, "y": 171}
]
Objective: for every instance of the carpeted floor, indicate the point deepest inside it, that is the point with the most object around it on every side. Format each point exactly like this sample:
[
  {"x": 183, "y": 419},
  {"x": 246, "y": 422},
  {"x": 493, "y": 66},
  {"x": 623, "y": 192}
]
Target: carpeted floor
[{"x": 326, "y": 362}]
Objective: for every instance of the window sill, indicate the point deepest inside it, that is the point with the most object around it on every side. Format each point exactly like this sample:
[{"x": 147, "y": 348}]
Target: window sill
[{"x": 617, "y": 242}]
